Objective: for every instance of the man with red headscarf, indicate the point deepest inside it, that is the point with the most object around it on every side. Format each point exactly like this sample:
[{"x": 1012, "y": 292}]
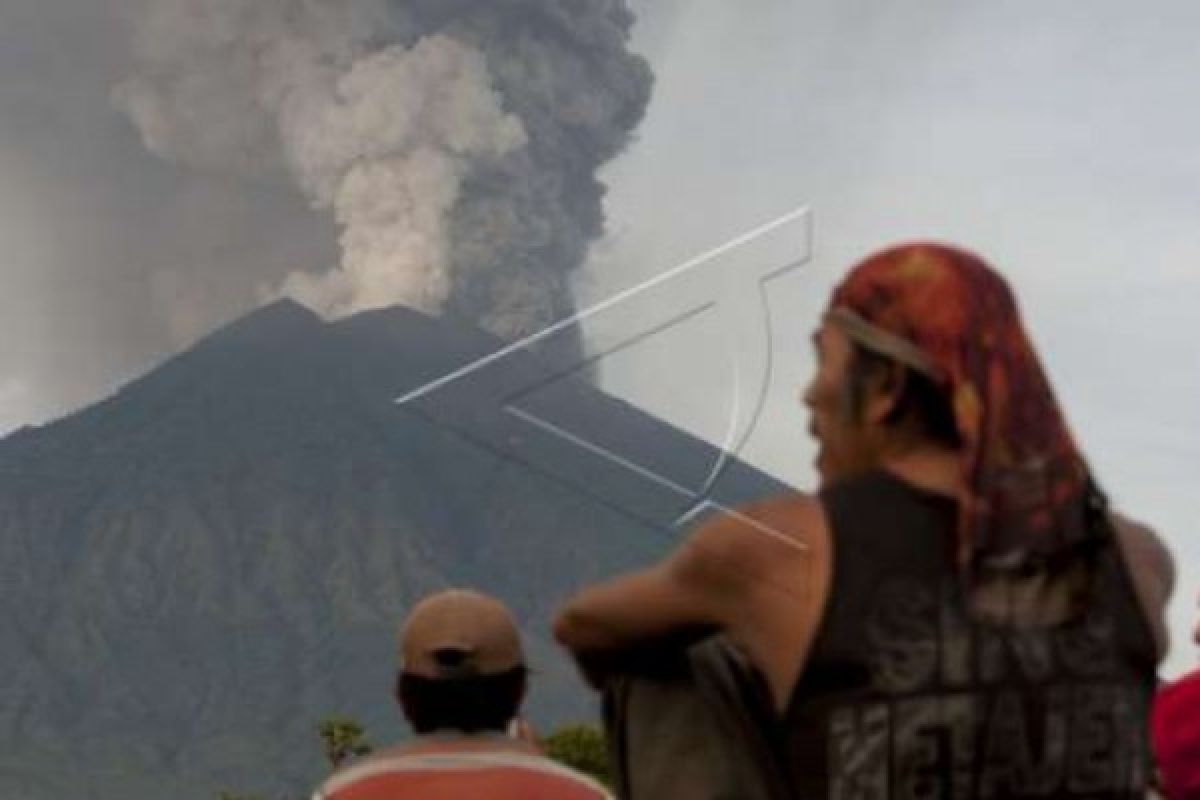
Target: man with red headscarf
[{"x": 957, "y": 613}]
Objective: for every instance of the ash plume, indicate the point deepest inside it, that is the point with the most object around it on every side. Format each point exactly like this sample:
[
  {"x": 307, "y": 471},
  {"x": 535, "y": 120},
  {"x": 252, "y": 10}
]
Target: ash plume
[{"x": 455, "y": 142}]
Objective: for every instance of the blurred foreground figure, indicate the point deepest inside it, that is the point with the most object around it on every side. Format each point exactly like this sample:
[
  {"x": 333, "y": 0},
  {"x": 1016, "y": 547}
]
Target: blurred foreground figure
[
  {"x": 1176, "y": 729},
  {"x": 956, "y": 614},
  {"x": 460, "y": 686}
]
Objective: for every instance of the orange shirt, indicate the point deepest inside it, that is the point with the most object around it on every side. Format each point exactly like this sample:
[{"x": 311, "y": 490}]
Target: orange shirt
[{"x": 453, "y": 769}]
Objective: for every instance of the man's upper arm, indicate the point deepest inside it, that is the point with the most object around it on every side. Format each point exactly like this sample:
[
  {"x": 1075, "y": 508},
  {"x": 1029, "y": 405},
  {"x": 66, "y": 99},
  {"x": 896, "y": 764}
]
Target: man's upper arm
[
  {"x": 715, "y": 580},
  {"x": 740, "y": 558}
]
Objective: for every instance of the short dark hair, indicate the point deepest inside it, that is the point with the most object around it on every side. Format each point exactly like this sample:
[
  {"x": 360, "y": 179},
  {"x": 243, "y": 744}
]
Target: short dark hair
[
  {"x": 475, "y": 704},
  {"x": 922, "y": 404}
]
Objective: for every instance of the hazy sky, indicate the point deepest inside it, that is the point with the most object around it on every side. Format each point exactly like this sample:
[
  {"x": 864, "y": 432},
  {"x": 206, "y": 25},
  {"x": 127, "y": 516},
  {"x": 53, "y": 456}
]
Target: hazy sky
[{"x": 1059, "y": 139}]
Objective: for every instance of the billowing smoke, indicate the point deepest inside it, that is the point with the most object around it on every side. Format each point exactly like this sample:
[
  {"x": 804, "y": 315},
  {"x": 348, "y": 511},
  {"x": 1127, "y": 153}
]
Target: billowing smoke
[{"x": 456, "y": 142}]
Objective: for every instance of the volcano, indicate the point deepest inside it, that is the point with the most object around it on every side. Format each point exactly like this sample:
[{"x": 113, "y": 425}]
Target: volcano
[{"x": 200, "y": 568}]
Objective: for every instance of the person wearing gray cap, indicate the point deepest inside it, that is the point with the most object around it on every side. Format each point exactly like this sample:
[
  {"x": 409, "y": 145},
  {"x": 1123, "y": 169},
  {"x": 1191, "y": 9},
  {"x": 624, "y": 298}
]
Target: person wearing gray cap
[{"x": 460, "y": 685}]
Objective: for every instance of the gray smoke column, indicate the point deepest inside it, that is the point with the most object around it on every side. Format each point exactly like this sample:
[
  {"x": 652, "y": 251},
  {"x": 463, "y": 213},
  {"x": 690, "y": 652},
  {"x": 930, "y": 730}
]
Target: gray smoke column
[{"x": 456, "y": 142}]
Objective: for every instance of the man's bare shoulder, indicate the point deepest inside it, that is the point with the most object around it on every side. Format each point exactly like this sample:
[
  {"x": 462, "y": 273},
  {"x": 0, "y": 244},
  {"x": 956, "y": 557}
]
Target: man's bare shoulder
[
  {"x": 770, "y": 562},
  {"x": 1146, "y": 552},
  {"x": 762, "y": 536},
  {"x": 791, "y": 518},
  {"x": 1152, "y": 569}
]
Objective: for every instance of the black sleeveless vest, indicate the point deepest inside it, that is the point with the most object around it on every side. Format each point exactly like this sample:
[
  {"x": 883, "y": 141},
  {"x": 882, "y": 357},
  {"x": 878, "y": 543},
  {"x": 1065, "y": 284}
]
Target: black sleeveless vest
[{"x": 905, "y": 696}]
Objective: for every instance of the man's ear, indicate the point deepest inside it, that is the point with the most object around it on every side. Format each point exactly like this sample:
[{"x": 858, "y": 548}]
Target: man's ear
[{"x": 883, "y": 394}]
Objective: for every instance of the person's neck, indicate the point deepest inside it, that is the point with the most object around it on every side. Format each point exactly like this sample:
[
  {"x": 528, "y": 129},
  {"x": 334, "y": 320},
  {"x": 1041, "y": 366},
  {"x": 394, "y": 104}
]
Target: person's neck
[
  {"x": 932, "y": 467},
  {"x": 450, "y": 740},
  {"x": 455, "y": 733}
]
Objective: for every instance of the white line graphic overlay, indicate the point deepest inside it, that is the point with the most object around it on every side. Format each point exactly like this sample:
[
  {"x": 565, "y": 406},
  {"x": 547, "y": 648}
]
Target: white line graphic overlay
[{"x": 494, "y": 399}]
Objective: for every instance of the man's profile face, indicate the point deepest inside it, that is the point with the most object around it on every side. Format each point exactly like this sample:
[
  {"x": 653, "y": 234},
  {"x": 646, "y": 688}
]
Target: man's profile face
[{"x": 842, "y": 443}]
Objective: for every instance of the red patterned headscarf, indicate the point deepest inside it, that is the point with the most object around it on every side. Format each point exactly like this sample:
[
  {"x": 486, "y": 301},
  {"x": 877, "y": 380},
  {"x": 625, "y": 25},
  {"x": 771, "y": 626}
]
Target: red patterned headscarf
[{"x": 944, "y": 312}]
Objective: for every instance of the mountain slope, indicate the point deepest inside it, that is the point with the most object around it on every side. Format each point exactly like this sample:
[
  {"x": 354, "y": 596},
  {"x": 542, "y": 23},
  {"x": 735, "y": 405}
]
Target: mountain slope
[{"x": 198, "y": 569}]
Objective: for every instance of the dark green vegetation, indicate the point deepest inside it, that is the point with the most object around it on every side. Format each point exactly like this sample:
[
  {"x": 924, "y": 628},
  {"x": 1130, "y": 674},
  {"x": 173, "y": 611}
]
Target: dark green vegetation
[
  {"x": 580, "y": 746},
  {"x": 343, "y": 739}
]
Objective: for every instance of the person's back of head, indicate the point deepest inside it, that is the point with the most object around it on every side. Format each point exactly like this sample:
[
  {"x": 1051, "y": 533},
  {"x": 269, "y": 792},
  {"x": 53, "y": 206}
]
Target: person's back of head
[
  {"x": 462, "y": 666},
  {"x": 462, "y": 674}
]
